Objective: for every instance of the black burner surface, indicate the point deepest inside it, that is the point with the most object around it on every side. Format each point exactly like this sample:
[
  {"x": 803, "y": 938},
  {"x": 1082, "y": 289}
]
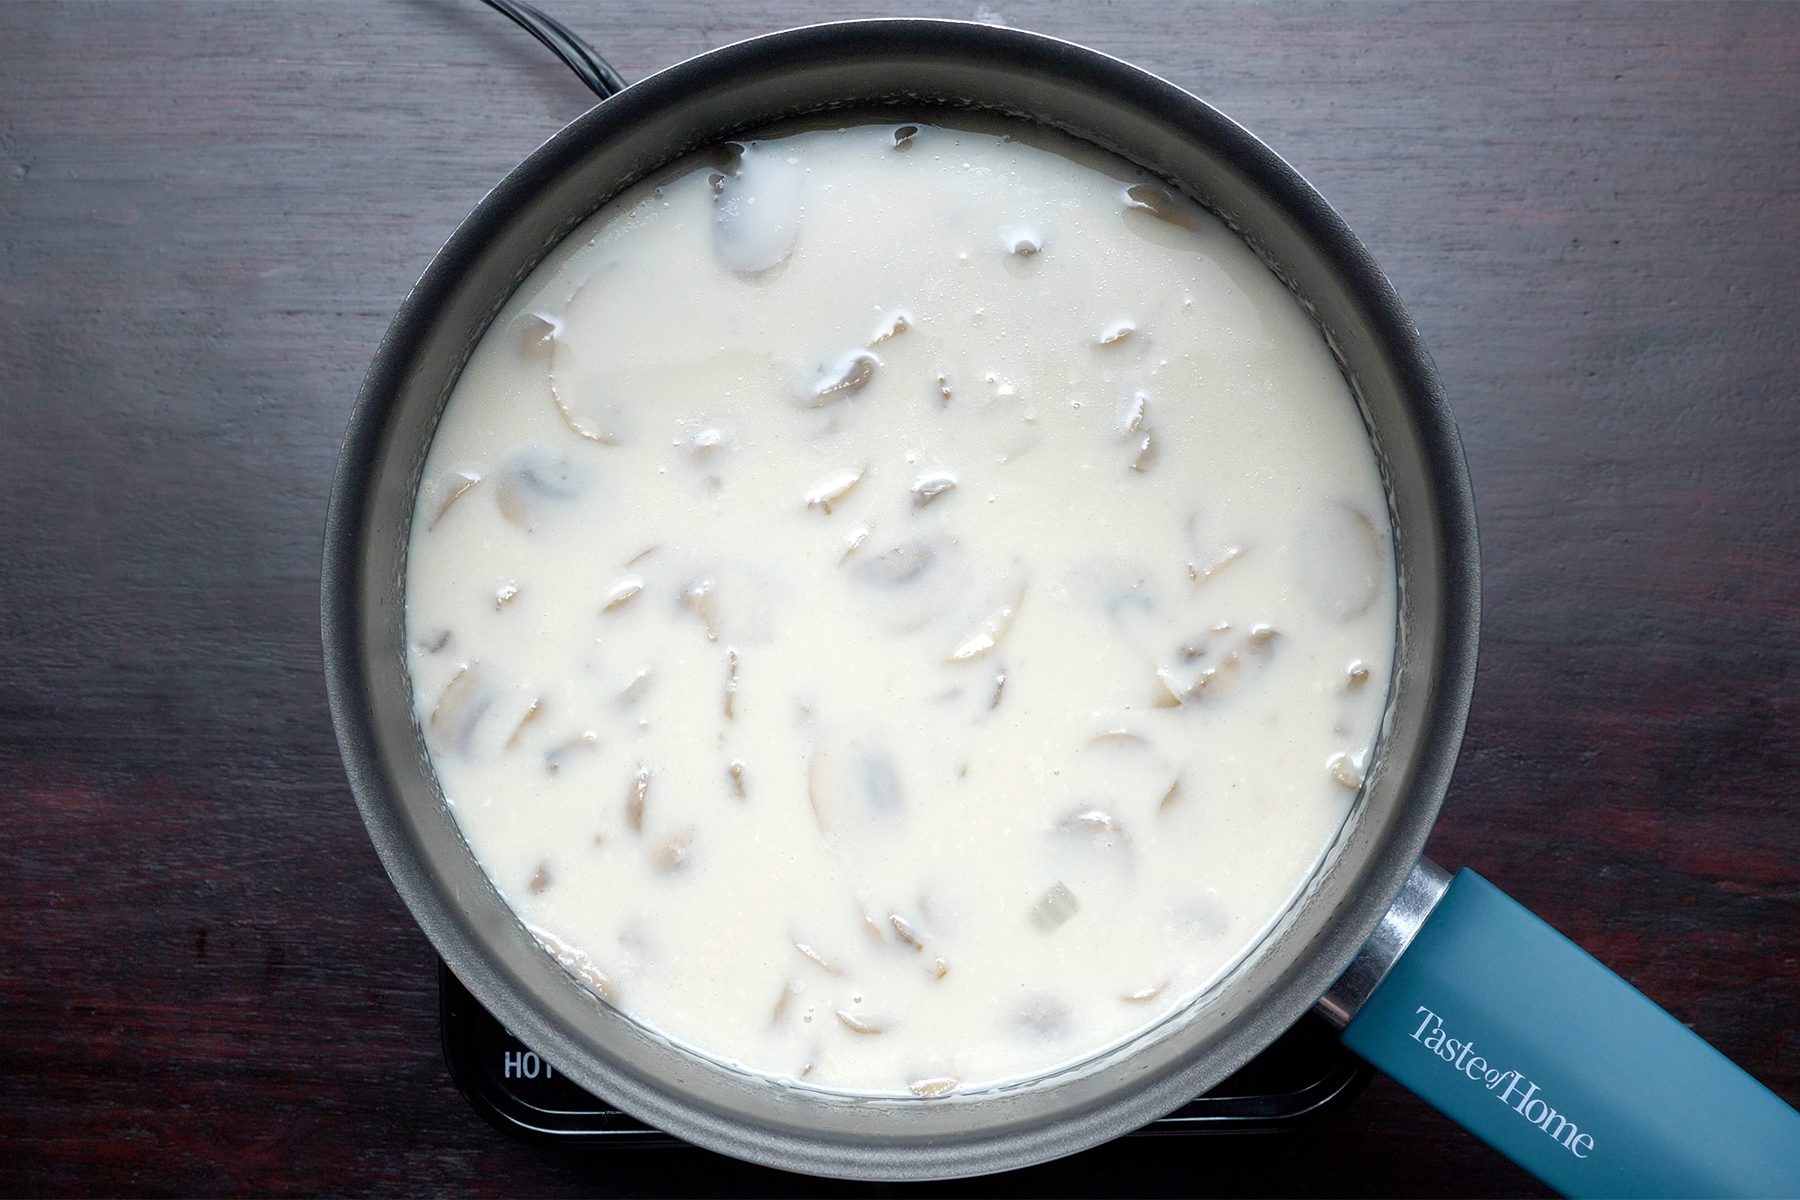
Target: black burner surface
[{"x": 1305, "y": 1074}]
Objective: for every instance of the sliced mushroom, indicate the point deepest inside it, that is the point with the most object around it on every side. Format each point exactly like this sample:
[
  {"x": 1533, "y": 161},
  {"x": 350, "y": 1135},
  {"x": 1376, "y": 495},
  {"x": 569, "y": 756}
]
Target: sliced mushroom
[
  {"x": 757, "y": 197},
  {"x": 637, "y": 797},
  {"x": 582, "y": 743},
  {"x": 1146, "y": 452},
  {"x": 1154, "y": 201},
  {"x": 847, "y": 377},
  {"x": 700, "y": 599},
  {"x": 1171, "y": 797},
  {"x": 815, "y": 958},
  {"x": 460, "y": 707},
  {"x": 993, "y": 630},
  {"x": 832, "y": 488},
  {"x": 1094, "y": 823},
  {"x": 637, "y": 689},
  {"x": 1116, "y": 333},
  {"x": 1342, "y": 561},
  {"x": 905, "y": 932},
  {"x": 1204, "y": 575},
  {"x": 854, "y": 542},
  {"x": 871, "y": 928},
  {"x": 531, "y": 717},
  {"x": 900, "y": 565},
  {"x": 881, "y": 785},
  {"x": 623, "y": 593},
  {"x": 450, "y": 490},
  {"x": 671, "y": 854},
  {"x": 708, "y": 439},
  {"x": 892, "y": 326},
  {"x": 433, "y": 644},
  {"x": 1133, "y": 413},
  {"x": 941, "y": 1085},
  {"x": 929, "y": 485},
  {"x": 856, "y": 1024},
  {"x": 533, "y": 483}
]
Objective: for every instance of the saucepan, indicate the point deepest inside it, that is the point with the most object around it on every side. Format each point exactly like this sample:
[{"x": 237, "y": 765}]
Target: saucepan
[{"x": 1441, "y": 981}]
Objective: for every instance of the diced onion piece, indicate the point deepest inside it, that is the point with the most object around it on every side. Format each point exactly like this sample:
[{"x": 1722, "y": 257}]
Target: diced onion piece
[{"x": 1054, "y": 908}]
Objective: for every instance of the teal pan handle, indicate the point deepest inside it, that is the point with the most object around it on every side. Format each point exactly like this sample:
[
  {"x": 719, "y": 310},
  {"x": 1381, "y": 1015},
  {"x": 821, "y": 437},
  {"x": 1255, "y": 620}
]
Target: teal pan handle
[{"x": 1519, "y": 1035}]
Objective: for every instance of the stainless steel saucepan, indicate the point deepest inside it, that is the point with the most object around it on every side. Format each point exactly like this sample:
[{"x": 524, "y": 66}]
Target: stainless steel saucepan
[{"x": 1490, "y": 1014}]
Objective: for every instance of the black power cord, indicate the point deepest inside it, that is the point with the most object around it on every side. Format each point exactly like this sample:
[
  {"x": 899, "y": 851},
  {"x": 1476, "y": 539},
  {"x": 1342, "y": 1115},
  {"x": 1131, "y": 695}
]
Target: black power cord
[{"x": 582, "y": 59}]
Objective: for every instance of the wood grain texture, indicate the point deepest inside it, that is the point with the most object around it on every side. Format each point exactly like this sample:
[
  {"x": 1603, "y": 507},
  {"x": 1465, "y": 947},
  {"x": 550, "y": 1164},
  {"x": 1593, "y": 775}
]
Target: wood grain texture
[{"x": 208, "y": 214}]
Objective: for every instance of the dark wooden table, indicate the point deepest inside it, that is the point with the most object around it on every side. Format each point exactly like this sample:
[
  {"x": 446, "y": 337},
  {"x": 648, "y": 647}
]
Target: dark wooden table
[{"x": 208, "y": 214}]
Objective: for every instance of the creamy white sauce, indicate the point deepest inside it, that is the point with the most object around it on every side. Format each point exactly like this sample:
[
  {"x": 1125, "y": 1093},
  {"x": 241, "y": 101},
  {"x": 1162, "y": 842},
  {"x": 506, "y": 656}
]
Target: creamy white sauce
[{"x": 900, "y": 611}]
